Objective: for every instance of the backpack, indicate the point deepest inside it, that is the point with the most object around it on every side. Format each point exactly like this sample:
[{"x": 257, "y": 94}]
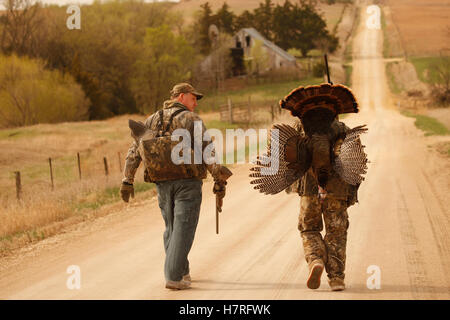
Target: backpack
[{"x": 156, "y": 149}]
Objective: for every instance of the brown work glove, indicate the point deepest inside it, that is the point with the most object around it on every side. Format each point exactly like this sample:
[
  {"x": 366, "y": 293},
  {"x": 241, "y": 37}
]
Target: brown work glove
[
  {"x": 219, "y": 190},
  {"x": 126, "y": 190}
]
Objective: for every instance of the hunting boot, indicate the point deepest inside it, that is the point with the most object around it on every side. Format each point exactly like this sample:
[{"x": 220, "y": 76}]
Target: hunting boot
[
  {"x": 315, "y": 272},
  {"x": 336, "y": 284},
  {"x": 187, "y": 278},
  {"x": 178, "y": 285}
]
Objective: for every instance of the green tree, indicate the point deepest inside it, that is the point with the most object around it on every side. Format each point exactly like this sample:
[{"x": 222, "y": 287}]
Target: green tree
[
  {"x": 244, "y": 20},
  {"x": 101, "y": 55},
  {"x": 205, "y": 19},
  {"x": 301, "y": 27},
  {"x": 164, "y": 61},
  {"x": 225, "y": 19},
  {"x": 90, "y": 84},
  {"x": 263, "y": 19},
  {"x": 258, "y": 61},
  {"x": 30, "y": 94},
  {"x": 284, "y": 27},
  {"x": 313, "y": 30}
]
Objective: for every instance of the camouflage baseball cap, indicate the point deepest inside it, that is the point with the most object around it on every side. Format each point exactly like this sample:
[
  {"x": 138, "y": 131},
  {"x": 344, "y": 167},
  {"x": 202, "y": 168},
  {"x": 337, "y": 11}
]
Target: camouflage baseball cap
[{"x": 185, "y": 88}]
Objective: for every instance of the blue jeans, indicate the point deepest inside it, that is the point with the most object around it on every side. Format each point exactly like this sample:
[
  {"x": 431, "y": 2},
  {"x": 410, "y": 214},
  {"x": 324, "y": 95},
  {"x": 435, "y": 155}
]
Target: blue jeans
[{"x": 180, "y": 202}]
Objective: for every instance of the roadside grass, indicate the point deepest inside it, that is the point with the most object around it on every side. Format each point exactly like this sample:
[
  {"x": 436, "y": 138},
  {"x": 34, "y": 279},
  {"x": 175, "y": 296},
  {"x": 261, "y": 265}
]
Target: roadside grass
[
  {"x": 348, "y": 53},
  {"x": 41, "y": 211},
  {"x": 429, "y": 125},
  {"x": 386, "y": 45},
  {"x": 425, "y": 68},
  {"x": 40, "y": 214},
  {"x": 443, "y": 148},
  {"x": 393, "y": 45},
  {"x": 348, "y": 75},
  {"x": 108, "y": 195},
  {"x": 394, "y": 86}
]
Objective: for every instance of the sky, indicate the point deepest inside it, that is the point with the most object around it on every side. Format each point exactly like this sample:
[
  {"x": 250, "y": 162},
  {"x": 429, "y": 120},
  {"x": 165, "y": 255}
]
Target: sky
[{"x": 67, "y": 2}]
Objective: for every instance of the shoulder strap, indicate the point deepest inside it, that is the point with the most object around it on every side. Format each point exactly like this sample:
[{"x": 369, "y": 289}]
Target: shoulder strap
[
  {"x": 161, "y": 117},
  {"x": 173, "y": 115}
]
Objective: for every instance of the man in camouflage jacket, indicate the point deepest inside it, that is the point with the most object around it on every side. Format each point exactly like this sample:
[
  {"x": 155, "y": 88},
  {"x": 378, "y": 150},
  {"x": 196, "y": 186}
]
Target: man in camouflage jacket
[
  {"x": 328, "y": 252},
  {"x": 179, "y": 199}
]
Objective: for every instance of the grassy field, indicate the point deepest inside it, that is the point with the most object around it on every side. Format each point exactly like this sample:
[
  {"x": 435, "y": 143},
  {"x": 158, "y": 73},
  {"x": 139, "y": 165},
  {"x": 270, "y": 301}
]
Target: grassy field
[
  {"x": 425, "y": 68},
  {"x": 259, "y": 94},
  {"x": 42, "y": 211},
  {"x": 422, "y": 24},
  {"x": 430, "y": 126}
]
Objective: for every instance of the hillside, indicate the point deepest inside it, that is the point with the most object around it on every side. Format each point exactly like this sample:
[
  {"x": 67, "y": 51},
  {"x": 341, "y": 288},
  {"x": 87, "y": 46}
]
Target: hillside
[
  {"x": 423, "y": 25},
  {"x": 187, "y": 8}
]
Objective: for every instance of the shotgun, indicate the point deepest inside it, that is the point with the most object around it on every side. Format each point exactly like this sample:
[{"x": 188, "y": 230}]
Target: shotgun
[{"x": 327, "y": 69}]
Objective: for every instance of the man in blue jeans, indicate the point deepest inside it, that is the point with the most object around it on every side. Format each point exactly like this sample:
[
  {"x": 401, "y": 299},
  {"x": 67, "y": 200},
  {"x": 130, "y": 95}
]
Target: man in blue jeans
[
  {"x": 180, "y": 202},
  {"x": 179, "y": 194}
]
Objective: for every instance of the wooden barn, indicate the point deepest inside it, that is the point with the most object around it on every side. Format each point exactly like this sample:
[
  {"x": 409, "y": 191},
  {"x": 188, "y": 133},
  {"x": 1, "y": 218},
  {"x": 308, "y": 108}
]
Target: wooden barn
[{"x": 278, "y": 58}]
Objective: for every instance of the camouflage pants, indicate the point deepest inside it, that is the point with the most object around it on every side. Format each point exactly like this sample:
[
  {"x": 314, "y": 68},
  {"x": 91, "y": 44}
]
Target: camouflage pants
[{"x": 331, "y": 248}]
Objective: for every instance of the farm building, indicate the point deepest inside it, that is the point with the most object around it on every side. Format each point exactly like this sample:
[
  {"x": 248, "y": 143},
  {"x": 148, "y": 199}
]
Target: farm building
[{"x": 247, "y": 38}]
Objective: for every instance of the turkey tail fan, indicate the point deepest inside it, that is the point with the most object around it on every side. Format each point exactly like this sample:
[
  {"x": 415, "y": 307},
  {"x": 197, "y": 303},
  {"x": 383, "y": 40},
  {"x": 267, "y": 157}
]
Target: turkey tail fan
[
  {"x": 336, "y": 98},
  {"x": 351, "y": 163},
  {"x": 274, "y": 172}
]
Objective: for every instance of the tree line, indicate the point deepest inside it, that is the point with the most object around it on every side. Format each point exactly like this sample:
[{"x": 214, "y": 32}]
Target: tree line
[
  {"x": 295, "y": 25},
  {"x": 126, "y": 56},
  {"x": 124, "y": 59}
]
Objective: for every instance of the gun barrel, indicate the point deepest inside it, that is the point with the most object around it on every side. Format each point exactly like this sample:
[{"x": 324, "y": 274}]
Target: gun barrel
[
  {"x": 327, "y": 69},
  {"x": 217, "y": 216}
]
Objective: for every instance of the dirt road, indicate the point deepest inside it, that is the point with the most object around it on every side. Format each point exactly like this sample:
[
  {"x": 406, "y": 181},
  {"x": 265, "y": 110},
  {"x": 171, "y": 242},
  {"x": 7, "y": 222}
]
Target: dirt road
[{"x": 401, "y": 226}]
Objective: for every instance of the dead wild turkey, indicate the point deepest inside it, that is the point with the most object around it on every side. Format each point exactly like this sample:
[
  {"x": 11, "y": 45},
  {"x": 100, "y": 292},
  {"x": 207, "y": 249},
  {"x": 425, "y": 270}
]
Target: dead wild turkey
[{"x": 325, "y": 145}]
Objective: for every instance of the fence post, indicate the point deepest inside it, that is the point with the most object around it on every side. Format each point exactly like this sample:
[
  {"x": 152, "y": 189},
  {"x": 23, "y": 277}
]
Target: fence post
[
  {"x": 230, "y": 110},
  {"x": 51, "y": 172},
  {"x": 18, "y": 185},
  {"x": 79, "y": 165},
  {"x": 105, "y": 162}
]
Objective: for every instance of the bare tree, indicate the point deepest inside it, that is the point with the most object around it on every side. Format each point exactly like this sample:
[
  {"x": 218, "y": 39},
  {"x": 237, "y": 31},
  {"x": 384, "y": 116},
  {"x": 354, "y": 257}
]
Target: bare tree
[{"x": 20, "y": 23}]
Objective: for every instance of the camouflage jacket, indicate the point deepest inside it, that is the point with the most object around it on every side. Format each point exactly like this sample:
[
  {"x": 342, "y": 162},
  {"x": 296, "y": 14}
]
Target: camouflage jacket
[
  {"x": 183, "y": 120},
  {"x": 336, "y": 187}
]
